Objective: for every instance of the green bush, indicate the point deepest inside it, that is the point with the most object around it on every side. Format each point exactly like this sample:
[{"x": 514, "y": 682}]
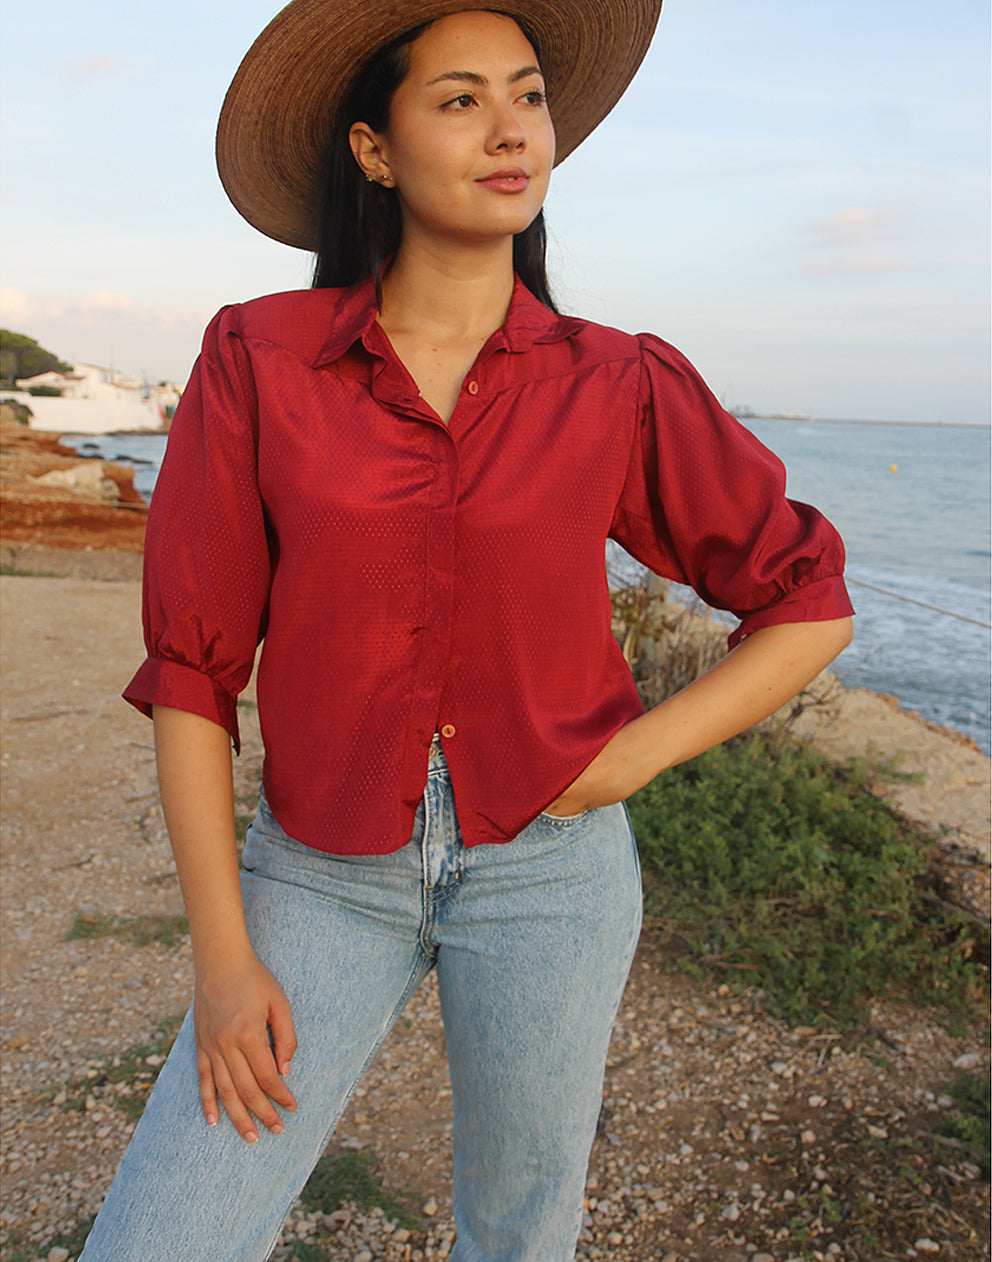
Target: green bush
[
  {"x": 351, "y": 1177},
  {"x": 20, "y": 411},
  {"x": 969, "y": 1123},
  {"x": 782, "y": 873},
  {"x": 141, "y": 930},
  {"x": 21, "y": 356}
]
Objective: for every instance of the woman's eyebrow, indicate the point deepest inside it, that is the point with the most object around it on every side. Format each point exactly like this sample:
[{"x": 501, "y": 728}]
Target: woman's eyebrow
[{"x": 470, "y": 76}]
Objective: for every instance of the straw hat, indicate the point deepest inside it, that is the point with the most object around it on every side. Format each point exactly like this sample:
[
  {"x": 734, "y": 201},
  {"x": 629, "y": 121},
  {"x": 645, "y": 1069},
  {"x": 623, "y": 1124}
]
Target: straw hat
[{"x": 279, "y": 111}]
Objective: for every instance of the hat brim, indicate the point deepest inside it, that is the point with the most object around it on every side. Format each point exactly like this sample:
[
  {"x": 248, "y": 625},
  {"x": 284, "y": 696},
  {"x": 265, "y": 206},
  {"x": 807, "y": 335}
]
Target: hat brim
[{"x": 277, "y": 117}]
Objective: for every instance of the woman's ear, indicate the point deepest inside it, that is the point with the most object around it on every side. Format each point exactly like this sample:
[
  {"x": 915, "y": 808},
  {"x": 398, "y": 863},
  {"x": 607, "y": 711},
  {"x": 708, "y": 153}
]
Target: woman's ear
[{"x": 367, "y": 148}]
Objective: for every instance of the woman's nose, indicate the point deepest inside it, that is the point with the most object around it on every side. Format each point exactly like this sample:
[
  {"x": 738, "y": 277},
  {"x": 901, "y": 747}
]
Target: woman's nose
[{"x": 506, "y": 133}]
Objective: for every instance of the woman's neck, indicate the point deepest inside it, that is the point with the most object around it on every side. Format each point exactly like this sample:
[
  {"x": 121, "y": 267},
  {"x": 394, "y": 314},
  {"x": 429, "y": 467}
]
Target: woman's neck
[
  {"x": 439, "y": 308},
  {"x": 450, "y": 296}
]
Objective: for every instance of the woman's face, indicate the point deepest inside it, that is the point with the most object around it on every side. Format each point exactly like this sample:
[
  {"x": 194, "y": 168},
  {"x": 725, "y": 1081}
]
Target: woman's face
[{"x": 470, "y": 145}]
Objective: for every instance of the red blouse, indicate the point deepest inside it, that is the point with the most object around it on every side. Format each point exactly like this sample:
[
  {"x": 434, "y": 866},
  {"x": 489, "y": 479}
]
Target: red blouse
[{"x": 409, "y": 577}]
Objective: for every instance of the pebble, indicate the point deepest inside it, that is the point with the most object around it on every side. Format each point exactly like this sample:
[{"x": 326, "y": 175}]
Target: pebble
[{"x": 706, "y": 1098}]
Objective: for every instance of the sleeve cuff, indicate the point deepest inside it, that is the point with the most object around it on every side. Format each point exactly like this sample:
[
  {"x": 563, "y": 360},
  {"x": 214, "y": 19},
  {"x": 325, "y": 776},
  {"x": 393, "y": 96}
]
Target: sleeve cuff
[
  {"x": 822, "y": 601},
  {"x": 160, "y": 682}
]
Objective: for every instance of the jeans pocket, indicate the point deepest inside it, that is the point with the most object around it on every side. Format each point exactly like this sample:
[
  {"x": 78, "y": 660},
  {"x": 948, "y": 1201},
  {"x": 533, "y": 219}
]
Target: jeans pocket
[
  {"x": 266, "y": 843},
  {"x": 562, "y": 821}
]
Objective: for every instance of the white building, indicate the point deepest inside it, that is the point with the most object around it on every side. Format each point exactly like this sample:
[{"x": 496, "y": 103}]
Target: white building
[{"x": 96, "y": 400}]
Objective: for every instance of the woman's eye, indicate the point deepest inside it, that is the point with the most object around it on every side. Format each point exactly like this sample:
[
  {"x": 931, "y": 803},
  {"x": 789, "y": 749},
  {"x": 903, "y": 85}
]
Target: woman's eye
[
  {"x": 535, "y": 97},
  {"x": 462, "y": 102}
]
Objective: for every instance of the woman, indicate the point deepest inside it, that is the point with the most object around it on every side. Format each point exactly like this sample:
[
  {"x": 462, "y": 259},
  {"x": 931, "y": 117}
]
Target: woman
[{"x": 404, "y": 480}]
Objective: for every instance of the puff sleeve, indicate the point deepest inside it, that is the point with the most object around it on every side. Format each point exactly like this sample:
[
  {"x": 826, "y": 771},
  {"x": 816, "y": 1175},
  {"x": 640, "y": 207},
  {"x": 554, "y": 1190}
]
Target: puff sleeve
[
  {"x": 704, "y": 504},
  {"x": 207, "y": 568}
]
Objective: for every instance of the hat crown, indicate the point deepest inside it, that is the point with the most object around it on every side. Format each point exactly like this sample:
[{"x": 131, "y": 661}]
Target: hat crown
[{"x": 281, "y": 107}]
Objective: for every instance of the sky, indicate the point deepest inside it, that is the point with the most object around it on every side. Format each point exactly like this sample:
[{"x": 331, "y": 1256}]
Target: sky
[{"x": 795, "y": 194}]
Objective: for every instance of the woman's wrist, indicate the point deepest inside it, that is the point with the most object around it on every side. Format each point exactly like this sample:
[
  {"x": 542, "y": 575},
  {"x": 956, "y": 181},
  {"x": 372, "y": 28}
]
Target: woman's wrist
[{"x": 221, "y": 948}]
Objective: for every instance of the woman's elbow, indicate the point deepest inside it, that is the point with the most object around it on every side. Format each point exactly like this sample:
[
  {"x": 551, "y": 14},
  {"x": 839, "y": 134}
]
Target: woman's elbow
[{"x": 837, "y": 634}]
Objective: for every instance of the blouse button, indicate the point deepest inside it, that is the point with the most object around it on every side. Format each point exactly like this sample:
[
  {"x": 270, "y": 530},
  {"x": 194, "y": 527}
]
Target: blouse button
[
  {"x": 447, "y": 731},
  {"x": 472, "y": 387}
]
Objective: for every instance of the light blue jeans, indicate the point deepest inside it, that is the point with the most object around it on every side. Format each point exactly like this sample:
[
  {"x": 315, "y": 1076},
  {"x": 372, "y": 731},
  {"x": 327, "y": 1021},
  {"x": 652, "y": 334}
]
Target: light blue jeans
[{"x": 532, "y": 942}]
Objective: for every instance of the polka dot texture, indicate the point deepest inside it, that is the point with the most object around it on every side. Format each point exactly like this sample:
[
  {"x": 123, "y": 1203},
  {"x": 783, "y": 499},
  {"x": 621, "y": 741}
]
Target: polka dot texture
[{"x": 410, "y": 577}]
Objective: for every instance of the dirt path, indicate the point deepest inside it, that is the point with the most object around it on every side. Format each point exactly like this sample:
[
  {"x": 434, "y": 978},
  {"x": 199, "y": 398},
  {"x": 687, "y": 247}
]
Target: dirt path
[
  {"x": 941, "y": 779},
  {"x": 725, "y": 1136}
]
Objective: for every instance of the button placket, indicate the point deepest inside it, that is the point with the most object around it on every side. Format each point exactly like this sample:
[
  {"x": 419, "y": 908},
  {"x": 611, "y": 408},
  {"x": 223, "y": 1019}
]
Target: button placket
[{"x": 439, "y": 559}]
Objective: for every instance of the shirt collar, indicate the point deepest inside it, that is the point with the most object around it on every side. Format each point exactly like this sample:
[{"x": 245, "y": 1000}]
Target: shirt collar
[
  {"x": 528, "y": 321},
  {"x": 353, "y": 317}
]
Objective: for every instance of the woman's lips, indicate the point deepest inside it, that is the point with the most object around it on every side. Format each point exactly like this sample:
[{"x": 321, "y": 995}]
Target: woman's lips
[{"x": 512, "y": 180}]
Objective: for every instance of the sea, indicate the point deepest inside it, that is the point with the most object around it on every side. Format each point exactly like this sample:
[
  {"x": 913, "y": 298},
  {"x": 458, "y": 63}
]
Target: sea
[{"x": 913, "y": 505}]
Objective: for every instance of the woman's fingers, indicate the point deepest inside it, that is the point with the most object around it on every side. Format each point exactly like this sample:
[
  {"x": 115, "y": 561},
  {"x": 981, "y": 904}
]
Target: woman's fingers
[
  {"x": 614, "y": 774},
  {"x": 237, "y": 1065},
  {"x": 208, "y": 1089},
  {"x": 249, "y": 1095},
  {"x": 245, "y": 1084},
  {"x": 283, "y": 1037}
]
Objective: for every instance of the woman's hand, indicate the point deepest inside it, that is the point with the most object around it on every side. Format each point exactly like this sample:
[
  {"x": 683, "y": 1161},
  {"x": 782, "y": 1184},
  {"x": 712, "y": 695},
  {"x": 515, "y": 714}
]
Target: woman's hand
[
  {"x": 760, "y": 675},
  {"x": 238, "y": 1002},
  {"x": 620, "y": 768},
  {"x": 235, "y": 1008}
]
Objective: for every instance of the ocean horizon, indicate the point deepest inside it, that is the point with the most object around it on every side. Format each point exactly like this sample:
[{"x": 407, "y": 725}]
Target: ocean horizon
[{"x": 912, "y": 503}]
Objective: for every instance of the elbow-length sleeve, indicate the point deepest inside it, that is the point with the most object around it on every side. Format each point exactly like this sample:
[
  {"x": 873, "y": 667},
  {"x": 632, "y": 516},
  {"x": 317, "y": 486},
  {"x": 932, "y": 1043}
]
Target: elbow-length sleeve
[
  {"x": 704, "y": 504},
  {"x": 207, "y": 567}
]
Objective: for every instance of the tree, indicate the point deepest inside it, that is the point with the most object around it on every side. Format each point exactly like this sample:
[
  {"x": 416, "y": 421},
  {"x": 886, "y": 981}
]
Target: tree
[{"x": 21, "y": 356}]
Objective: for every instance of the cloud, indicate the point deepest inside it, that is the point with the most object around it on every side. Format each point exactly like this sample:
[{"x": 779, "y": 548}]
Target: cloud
[
  {"x": 856, "y": 265},
  {"x": 105, "y": 327},
  {"x": 107, "y": 303},
  {"x": 99, "y": 67},
  {"x": 855, "y": 241},
  {"x": 851, "y": 226},
  {"x": 18, "y": 304}
]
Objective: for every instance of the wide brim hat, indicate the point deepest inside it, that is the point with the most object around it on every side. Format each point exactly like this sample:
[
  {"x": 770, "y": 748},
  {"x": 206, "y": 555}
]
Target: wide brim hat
[{"x": 281, "y": 107}]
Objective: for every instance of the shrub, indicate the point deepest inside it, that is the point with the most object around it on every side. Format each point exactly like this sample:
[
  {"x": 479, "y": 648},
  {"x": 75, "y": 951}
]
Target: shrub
[
  {"x": 969, "y": 1124},
  {"x": 781, "y": 872},
  {"x": 351, "y": 1177},
  {"x": 20, "y": 412}
]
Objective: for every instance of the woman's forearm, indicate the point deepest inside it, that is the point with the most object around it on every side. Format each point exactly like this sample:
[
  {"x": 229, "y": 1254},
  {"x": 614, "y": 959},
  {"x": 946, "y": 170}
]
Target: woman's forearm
[
  {"x": 243, "y": 1025},
  {"x": 753, "y": 681},
  {"x": 196, "y": 787},
  {"x": 757, "y": 678}
]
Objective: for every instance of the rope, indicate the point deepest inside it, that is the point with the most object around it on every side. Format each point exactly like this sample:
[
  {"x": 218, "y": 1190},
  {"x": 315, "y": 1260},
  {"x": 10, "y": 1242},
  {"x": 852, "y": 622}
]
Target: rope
[{"x": 922, "y": 603}]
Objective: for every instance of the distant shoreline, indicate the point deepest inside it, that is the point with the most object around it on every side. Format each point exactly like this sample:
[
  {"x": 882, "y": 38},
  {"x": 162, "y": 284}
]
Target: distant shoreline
[{"x": 829, "y": 420}]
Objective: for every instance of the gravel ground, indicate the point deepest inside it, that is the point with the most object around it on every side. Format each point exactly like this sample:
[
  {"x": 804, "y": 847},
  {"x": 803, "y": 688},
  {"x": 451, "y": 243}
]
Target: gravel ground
[{"x": 725, "y": 1137}]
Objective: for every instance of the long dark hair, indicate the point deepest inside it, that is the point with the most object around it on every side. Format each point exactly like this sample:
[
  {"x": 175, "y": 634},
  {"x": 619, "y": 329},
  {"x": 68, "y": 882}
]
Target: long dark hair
[{"x": 360, "y": 224}]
